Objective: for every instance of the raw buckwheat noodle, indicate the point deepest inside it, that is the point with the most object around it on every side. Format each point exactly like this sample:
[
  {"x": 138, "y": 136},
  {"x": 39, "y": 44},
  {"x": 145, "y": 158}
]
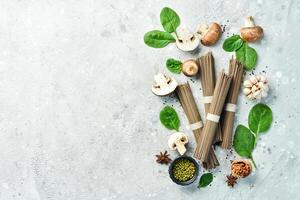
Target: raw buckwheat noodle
[
  {"x": 208, "y": 80},
  {"x": 236, "y": 71},
  {"x": 190, "y": 108},
  {"x": 204, "y": 144}
]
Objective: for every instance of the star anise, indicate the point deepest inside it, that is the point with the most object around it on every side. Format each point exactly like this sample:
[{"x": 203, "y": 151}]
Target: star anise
[
  {"x": 163, "y": 158},
  {"x": 231, "y": 180}
]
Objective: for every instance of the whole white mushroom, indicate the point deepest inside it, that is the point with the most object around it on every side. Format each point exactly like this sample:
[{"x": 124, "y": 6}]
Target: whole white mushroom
[{"x": 177, "y": 142}]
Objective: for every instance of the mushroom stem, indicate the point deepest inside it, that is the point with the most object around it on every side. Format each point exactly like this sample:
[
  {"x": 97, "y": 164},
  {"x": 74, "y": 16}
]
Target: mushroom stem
[
  {"x": 249, "y": 22},
  {"x": 181, "y": 149},
  {"x": 202, "y": 30}
]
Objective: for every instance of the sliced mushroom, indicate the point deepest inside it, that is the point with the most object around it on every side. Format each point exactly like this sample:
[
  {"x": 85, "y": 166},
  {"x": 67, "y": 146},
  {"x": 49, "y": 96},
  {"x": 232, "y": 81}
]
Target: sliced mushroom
[
  {"x": 190, "y": 67},
  {"x": 177, "y": 141},
  {"x": 250, "y": 32},
  {"x": 209, "y": 34},
  {"x": 186, "y": 41},
  {"x": 164, "y": 85}
]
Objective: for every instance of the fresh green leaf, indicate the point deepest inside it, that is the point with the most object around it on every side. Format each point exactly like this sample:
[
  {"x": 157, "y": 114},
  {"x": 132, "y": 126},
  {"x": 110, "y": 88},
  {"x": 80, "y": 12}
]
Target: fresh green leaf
[
  {"x": 158, "y": 39},
  {"x": 243, "y": 141},
  {"x": 233, "y": 43},
  {"x": 169, "y": 19},
  {"x": 247, "y": 56},
  {"x": 205, "y": 180},
  {"x": 169, "y": 118},
  {"x": 260, "y": 118},
  {"x": 174, "y": 65}
]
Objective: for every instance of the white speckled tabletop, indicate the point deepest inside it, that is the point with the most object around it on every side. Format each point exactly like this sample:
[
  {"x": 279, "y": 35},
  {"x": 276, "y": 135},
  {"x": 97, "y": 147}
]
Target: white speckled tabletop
[{"x": 78, "y": 120}]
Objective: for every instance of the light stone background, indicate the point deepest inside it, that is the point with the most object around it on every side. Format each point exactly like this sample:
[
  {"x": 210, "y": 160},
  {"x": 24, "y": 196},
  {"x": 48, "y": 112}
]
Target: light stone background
[{"x": 78, "y": 120}]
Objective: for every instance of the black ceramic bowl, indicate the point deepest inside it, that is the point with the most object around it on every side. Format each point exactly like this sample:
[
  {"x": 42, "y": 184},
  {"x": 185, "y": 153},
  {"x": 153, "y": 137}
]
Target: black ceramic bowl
[{"x": 188, "y": 181}]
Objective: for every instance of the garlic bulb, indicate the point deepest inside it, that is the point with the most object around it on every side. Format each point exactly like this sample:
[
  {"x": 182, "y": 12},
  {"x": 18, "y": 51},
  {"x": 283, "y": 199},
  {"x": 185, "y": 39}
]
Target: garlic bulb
[{"x": 256, "y": 87}]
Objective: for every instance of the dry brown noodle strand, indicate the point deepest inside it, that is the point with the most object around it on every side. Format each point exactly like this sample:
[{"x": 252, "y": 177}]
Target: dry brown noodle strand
[
  {"x": 208, "y": 84},
  {"x": 236, "y": 70},
  {"x": 189, "y": 106},
  {"x": 216, "y": 107}
]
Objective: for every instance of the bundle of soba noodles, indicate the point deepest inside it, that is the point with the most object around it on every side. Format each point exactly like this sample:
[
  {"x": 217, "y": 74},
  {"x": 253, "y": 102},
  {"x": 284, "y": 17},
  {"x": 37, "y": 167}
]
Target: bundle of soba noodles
[
  {"x": 190, "y": 108},
  {"x": 212, "y": 119},
  {"x": 236, "y": 71},
  {"x": 207, "y": 77}
]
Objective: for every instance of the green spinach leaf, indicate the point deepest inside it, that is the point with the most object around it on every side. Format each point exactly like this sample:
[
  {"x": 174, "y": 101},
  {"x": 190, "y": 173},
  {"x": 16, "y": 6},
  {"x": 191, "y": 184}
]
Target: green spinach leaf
[
  {"x": 158, "y": 39},
  {"x": 233, "y": 43},
  {"x": 260, "y": 118},
  {"x": 169, "y": 118},
  {"x": 243, "y": 141},
  {"x": 169, "y": 19},
  {"x": 205, "y": 180},
  {"x": 174, "y": 65},
  {"x": 247, "y": 56}
]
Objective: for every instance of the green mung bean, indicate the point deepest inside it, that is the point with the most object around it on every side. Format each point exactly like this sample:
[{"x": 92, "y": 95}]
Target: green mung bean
[{"x": 184, "y": 170}]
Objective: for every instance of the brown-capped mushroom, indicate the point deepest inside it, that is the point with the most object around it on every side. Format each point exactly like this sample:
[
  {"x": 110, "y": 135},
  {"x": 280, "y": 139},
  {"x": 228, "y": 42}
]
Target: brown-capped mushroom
[
  {"x": 241, "y": 168},
  {"x": 250, "y": 32},
  {"x": 164, "y": 85},
  {"x": 186, "y": 41},
  {"x": 190, "y": 67},
  {"x": 209, "y": 34}
]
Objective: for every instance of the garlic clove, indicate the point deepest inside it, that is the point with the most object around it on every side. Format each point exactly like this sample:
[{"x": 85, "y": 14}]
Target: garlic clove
[
  {"x": 246, "y": 91},
  {"x": 247, "y": 83},
  {"x": 254, "y": 88},
  {"x": 257, "y": 94},
  {"x": 250, "y": 96},
  {"x": 260, "y": 84},
  {"x": 253, "y": 79}
]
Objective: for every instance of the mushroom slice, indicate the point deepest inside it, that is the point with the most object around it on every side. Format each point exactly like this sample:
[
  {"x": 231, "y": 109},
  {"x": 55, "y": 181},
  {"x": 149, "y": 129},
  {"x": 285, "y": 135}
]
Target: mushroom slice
[
  {"x": 209, "y": 34},
  {"x": 250, "y": 32},
  {"x": 163, "y": 85},
  {"x": 177, "y": 141},
  {"x": 186, "y": 41}
]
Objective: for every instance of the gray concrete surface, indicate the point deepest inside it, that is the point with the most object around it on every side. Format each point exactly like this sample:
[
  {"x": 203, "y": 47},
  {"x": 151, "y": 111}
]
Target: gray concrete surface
[{"x": 78, "y": 120}]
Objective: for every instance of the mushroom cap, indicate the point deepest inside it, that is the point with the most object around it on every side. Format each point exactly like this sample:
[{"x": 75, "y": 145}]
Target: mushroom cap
[
  {"x": 186, "y": 40},
  {"x": 241, "y": 168},
  {"x": 251, "y": 34},
  {"x": 175, "y": 138},
  {"x": 211, "y": 34},
  {"x": 190, "y": 67},
  {"x": 163, "y": 85}
]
